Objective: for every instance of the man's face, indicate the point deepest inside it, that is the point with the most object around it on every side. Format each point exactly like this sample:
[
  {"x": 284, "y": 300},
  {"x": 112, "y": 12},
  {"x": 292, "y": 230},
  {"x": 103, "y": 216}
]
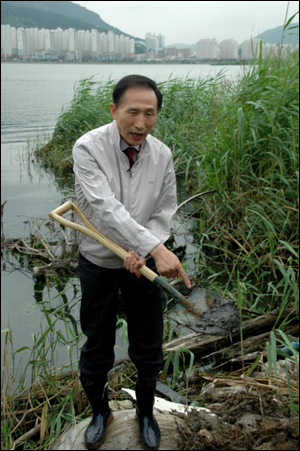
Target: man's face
[{"x": 135, "y": 114}]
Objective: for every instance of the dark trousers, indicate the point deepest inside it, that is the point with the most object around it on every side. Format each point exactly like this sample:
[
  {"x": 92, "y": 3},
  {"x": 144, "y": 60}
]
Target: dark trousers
[{"x": 143, "y": 305}]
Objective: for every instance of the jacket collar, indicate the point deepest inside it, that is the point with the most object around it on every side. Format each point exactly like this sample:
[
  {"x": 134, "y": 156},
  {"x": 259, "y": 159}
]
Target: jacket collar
[
  {"x": 124, "y": 145},
  {"x": 115, "y": 140}
]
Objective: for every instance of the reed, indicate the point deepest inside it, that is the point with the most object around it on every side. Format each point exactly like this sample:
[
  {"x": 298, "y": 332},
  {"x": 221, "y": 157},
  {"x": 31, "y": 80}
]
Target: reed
[
  {"x": 37, "y": 403},
  {"x": 242, "y": 139},
  {"x": 39, "y": 397},
  {"x": 89, "y": 109},
  {"x": 239, "y": 137}
]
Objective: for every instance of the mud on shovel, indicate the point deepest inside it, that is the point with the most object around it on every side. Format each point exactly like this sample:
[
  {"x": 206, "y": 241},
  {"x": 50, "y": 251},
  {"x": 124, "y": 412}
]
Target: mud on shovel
[{"x": 90, "y": 231}]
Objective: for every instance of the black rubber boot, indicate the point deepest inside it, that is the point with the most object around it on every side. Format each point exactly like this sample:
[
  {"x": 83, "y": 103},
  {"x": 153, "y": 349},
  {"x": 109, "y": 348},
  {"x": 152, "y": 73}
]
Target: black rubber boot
[
  {"x": 149, "y": 429},
  {"x": 97, "y": 393}
]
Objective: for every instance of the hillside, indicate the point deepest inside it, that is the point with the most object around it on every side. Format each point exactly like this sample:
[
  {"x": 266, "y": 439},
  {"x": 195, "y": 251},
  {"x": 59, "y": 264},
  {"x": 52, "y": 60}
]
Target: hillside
[
  {"x": 53, "y": 14},
  {"x": 274, "y": 35}
]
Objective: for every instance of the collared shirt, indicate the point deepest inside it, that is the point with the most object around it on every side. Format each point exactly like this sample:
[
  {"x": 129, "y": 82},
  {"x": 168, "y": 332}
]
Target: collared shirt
[{"x": 124, "y": 146}]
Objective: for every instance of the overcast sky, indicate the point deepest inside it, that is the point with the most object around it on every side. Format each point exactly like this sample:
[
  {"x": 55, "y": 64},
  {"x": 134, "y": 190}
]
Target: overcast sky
[{"x": 187, "y": 22}]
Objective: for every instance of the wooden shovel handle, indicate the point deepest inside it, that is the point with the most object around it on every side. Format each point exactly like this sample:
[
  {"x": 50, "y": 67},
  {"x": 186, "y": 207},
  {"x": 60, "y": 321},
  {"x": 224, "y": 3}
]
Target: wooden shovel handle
[{"x": 92, "y": 232}]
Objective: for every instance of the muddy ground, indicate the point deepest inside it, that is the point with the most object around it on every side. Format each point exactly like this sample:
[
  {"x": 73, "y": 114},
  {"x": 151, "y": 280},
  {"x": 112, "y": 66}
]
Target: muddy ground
[{"x": 253, "y": 421}]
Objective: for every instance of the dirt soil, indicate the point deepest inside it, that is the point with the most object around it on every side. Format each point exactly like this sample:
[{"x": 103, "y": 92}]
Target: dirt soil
[{"x": 253, "y": 421}]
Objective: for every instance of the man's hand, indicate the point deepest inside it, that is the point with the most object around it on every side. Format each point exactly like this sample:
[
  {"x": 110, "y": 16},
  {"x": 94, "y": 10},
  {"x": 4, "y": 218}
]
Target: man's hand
[
  {"x": 167, "y": 264},
  {"x": 133, "y": 263}
]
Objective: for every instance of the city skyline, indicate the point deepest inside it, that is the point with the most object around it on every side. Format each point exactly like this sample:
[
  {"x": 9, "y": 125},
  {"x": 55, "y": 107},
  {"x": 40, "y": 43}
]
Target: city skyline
[
  {"x": 190, "y": 21},
  {"x": 70, "y": 44}
]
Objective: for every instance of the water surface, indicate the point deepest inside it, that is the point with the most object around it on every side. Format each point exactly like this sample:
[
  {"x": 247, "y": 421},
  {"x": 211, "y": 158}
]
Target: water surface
[{"x": 32, "y": 97}]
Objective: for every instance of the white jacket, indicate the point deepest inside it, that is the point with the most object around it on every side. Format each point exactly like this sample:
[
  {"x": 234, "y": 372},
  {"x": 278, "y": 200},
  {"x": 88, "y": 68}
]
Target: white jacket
[{"x": 133, "y": 208}]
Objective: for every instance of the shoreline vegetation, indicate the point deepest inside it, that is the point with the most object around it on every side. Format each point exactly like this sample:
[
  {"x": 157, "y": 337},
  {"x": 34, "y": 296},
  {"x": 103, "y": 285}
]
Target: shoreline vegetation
[{"x": 240, "y": 138}]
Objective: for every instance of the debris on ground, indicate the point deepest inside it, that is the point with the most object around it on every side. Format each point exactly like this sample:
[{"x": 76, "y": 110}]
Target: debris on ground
[{"x": 245, "y": 421}]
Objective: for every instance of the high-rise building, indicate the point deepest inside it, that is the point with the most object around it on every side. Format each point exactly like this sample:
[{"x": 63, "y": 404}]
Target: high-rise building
[
  {"x": 228, "y": 49},
  {"x": 131, "y": 48},
  {"x": 54, "y": 52},
  {"x": 111, "y": 42},
  {"x": 13, "y": 41},
  {"x": 207, "y": 49},
  {"x": 5, "y": 41},
  {"x": 155, "y": 44},
  {"x": 151, "y": 43},
  {"x": 117, "y": 44},
  {"x": 94, "y": 44},
  {"x": 122, "y": 46},
  {"x": 21, "y": 43},
  {"x": 47, "y": 41},
  {"x": 58, "y": 38},
  {"x": 41, "y": 39},
  {"x": 32, "y": 40},
  {"x": 73, "y": 40},
  {"x": 35, "y": 34},
  {"x": 269, "y": 49},
  {"x": 101, "y": 44},
  {"x": 127, "y": 47},
  {"x": 105, "y": 44},
  {"x": 87, "y": 44},
  {"x": 250, "y": 49},
  {"x": 64, "y": 44},
  {"x": 160, "y": 43}
]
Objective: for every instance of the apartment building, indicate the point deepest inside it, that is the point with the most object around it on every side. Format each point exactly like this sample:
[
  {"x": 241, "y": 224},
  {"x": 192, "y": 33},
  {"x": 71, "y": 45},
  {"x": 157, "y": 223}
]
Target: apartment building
[
  {"x": 250, "y": 49},
  {"x": 173, "y": 52},
  {"x": 270, "y": 49},
  {"x": 67, "y": 44},
  {"x": 207, "y": 49},
  {"x": 229, "y": 49},
  {"x": 151, "y": 43},
  {"x": 5, "y": 41},
  {"x": 21, "y": 43}
]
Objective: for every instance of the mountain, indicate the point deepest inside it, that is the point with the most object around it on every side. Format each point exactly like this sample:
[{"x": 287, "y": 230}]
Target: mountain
[
  {"x": 53, "y": 14},
  {"x": 274, "y": 35}
]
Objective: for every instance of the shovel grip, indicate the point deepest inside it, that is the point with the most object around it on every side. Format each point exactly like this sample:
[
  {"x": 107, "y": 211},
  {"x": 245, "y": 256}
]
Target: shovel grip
[{"x": 92, "y": 232}]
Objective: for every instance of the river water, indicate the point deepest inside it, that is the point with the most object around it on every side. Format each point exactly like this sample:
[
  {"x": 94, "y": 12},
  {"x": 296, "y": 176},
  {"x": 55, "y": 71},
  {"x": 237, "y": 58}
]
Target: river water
[{"x": 32, "y": 97}]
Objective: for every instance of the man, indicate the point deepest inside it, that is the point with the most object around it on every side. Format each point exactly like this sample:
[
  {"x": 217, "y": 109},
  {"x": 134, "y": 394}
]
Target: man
[{"x": 125, "y": 185}]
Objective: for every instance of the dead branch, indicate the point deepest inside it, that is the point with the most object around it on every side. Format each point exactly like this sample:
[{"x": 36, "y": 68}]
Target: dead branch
[
  {"x": 28, "y": 435},
  {"x": 194, "y": 197},
  {"x": 2, "y": 208},
  {"x": 66, "y": 265},
  {"x": 53, "y": 255},
  {"x": 202, "y": 344},
  {"x": 42, "y": 237}
]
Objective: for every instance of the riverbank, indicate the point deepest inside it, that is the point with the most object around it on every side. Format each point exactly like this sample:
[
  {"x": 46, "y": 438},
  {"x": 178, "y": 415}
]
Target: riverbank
[
  {"x": 242, "y": 139},
  {"x": 255, "y": 383}
]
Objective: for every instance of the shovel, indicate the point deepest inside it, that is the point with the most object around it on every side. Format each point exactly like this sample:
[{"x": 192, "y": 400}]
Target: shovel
[{"x": 90, "y": 231}]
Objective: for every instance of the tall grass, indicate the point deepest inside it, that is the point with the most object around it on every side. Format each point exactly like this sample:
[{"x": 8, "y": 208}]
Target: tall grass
[
  {"x": 240, "y": 137},
  {"x": 36, "y": 402},
  {"x": 89, "y": 109}
]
